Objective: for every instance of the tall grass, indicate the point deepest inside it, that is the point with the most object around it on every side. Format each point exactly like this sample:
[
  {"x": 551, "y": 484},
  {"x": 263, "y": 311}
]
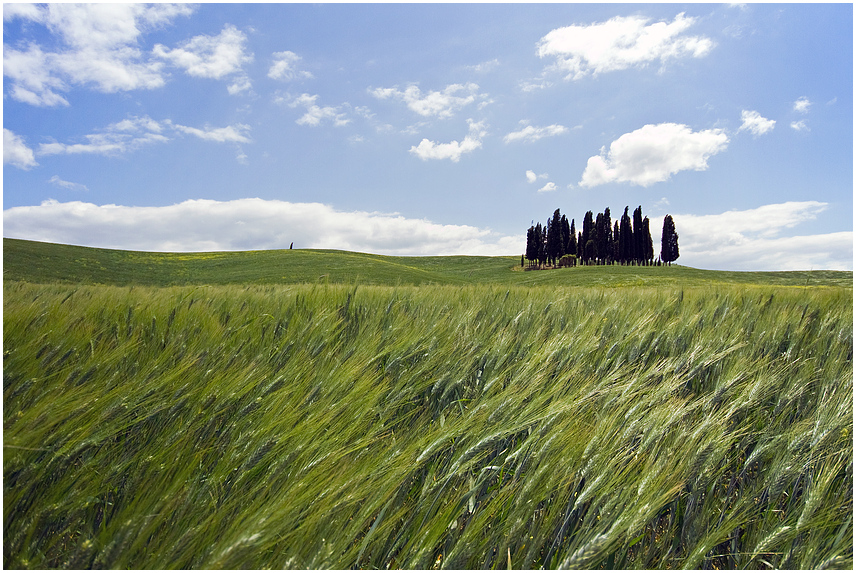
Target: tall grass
[{"x": 449, "y": 427}]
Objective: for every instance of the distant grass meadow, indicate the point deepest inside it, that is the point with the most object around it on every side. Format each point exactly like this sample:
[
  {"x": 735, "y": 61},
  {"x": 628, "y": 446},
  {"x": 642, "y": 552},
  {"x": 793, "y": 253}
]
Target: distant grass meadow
[{"x": 684, "y": 422}]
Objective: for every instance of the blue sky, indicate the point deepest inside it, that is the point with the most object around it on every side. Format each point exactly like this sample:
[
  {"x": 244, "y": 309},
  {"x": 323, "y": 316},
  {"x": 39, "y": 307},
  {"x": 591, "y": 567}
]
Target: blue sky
[{"x": 431, "y": 129}]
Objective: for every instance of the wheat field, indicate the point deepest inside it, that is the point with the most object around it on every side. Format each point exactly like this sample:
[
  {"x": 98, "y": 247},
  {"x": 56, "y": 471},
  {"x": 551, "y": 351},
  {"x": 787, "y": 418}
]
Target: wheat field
[{"x": 331, "y": 426}]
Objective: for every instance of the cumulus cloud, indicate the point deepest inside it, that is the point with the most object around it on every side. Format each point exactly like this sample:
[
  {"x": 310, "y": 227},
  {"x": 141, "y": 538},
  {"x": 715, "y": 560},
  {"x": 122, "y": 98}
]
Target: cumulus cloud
[
  {"x": 248, "y": 224},
  {"x": 216, "y": 57},
  {"x": 652, "y": 154},
  {"x": 531, "y": 177},
  {"x": 802, "y": 105},
  {"x": 442, "y": 104},
  {"x": 284, "y": 67},
  {"x": 753, "y": 239},
  {"x": 16, "y": 152},
  {"x": 547, "y": 188},
  {"x": 97, "y": 47},
  {"x": 800, "y": 125},
  {"x": 135, "y": 132},
  {"x": 55, "y": 180},
  {"x": 531, "y": 133},
  {"x": 237, "y": 133},
  {"x": 453, "y": 150},
  {"x": 315, "y": 113},
  {"x": 620, "y": 43},
  {"x": 754, "y": 123}
]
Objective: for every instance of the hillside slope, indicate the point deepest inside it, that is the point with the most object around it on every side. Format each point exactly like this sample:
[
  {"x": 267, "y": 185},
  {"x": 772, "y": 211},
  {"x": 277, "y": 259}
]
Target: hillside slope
[{"x": 48, "y": 263}]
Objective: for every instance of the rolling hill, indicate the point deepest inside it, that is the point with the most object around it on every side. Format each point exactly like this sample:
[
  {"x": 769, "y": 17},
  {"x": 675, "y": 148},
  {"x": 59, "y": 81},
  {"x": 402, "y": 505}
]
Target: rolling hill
[{"x": 49, "y": 263}]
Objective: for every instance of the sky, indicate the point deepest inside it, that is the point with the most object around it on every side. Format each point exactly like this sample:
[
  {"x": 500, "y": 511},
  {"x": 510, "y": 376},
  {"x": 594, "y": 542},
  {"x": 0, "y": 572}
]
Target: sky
[{"x": 431, "y": 129}]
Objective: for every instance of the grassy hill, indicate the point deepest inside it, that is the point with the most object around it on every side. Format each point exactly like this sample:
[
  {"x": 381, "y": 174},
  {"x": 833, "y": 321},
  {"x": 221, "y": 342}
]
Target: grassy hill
[{"x": 48, "y": 263}]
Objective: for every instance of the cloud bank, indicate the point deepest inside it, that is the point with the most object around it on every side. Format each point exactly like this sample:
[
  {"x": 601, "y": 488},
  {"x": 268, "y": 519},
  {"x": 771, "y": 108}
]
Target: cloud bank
[
  {"x": 248, "y": 224},
  {"x": 753, "y": 239},
  {"x": 652, "y": 154}
]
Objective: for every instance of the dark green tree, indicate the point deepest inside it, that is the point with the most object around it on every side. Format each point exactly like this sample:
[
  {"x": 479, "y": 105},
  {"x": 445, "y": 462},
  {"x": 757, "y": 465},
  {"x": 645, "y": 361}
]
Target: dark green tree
[
  {"x": 638, "y": 239},
  {"x": 531, "y": 246},
  {"x": 588, "y": 234},
  {"x": 555, "y": 244},
  {"x": 572, "y": 240},
  {"x": 626, "y": 253},
  {"x": 565, "y": 237},
  {"x": 616, "y": 238},
  {"x": 607, "y": 229},
  {"x": 541, "y": 243},
  {"x": 669, "y": 242},
  {"x": 647, "y": 243}
]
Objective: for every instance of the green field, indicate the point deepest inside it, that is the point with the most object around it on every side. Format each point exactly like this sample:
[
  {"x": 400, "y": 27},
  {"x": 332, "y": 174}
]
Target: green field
[
  {"x": 50, "y": 263},
  {"x": 240, "y": 410}
]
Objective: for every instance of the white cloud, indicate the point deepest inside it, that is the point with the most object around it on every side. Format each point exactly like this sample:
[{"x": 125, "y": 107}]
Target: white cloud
[
  {"x": 237, "y": 133},
  {"x": 430, "y": 150},
  {"x": 532, "y": 85},
  {"x": 248, "y": 224},
  {"x": 442, "y": 104},
  {"x": 284, "y": 67},
  {"x": 531, "y": 133},
  {"x": 484, "y": 66},
  {"x": 67, "y": 184},
  {"x": 799, "y": 125},
  {"x": 620, "y": 43},
  {"x": 547, "y": 188},
  {"x": 16, "y": 152},
  {"x": 753, "y": 240},
  {"x": 214, "y": 57},
  {"x": 531, "y": 177},
  {"x": 754, "y": 123},
  {"x": 132, "y": 133},
  {"x": 802, "y": 105},
  {"x": 315, "y": 114},
  {"x": 98, "y": 48},
  {"x": 652, "y": 154}
]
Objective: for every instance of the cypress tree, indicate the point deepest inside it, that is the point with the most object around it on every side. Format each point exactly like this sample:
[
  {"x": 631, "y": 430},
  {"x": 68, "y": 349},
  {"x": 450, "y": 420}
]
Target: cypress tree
[
  {"x": 572, "y": 240},
  {"x": 616, "y": 237},
  {"x": 588, "y": 235},
  {"x": 565, "y": 237},
  {"x": 648, "y": 244},
  {"x": 669, "y": 242},
  {"x": 531, "y": 247},
  {"x": 638, "y": 240},
  {"x": 607, "y": 228},
  {"x": 539, "y": 244},
  {"x": 554, "y": 237},
  {"x": 626, "y": 245}
]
